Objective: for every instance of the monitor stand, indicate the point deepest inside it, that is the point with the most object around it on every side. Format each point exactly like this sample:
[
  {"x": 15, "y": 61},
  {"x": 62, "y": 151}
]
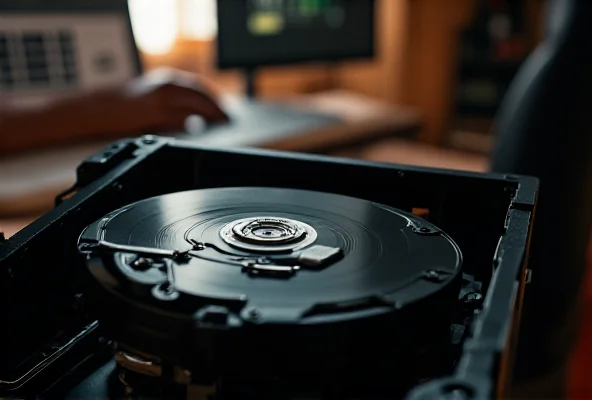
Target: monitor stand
[{"x": 250, "y": 82}]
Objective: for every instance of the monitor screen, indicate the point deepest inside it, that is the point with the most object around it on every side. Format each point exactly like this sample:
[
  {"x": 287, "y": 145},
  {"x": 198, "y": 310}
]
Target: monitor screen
[{"x": 255, "y": 33}]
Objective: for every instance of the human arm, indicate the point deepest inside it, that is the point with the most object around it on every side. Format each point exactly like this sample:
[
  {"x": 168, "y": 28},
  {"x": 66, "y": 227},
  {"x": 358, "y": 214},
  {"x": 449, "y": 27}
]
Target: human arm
[{"x": 156, "y": 102}]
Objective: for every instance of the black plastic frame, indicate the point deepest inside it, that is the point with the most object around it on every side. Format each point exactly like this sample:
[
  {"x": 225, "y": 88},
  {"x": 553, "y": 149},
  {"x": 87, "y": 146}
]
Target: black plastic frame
[{"x": 130, "y": 172}]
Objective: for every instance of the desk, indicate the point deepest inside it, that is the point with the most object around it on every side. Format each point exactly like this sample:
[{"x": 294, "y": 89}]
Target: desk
[
  {"x": 12, "y": 225},
  {"x": 29, "y": 182},
  {"x": 387, "y": 150}
]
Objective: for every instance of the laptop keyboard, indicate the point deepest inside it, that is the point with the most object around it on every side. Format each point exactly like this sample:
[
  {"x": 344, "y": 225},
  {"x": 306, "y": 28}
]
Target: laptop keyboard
[{"x": 37, "y": 60}]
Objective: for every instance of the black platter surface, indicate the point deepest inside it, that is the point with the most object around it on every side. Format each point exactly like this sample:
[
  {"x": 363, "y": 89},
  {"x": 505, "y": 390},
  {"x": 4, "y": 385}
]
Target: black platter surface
[{"x": 265, "y": 291}]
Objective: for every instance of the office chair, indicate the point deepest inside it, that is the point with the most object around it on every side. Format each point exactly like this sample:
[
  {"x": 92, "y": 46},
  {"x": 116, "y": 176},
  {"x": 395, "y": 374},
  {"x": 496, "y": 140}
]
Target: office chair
[{"x": 544, "y": 129}]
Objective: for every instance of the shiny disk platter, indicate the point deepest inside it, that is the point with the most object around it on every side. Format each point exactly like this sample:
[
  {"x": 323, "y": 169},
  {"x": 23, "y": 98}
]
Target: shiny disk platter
[{"x": 256, "y": 286}]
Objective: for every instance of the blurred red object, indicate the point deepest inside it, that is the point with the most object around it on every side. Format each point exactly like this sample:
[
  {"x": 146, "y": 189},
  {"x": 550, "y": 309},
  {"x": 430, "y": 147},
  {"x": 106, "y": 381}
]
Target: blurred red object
[{"x": 580, "y": 384}]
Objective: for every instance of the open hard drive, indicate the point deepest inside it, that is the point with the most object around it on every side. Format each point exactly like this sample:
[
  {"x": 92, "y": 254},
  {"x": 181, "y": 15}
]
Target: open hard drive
[{"x": 173, "y": 271}]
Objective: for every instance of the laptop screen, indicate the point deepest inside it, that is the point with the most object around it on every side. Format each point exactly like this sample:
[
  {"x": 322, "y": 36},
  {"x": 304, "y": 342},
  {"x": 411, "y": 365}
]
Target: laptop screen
[{"x": 51, "y": 48}]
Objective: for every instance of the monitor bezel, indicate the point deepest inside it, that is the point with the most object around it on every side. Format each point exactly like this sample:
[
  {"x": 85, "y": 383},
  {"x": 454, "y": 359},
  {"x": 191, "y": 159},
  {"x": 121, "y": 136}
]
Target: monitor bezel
[{"x": 223, "y": 63}]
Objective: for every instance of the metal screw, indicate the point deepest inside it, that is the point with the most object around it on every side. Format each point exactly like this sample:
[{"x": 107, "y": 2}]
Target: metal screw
[
  {"x": 165, "y": 292},
  {"x": 432, "y": 275},
  {"x": 473, "y": 297},
  {"x": 254, "y": 314},
  {"x": 143, "y": 263},
  {"x": 148, "y": 140}
]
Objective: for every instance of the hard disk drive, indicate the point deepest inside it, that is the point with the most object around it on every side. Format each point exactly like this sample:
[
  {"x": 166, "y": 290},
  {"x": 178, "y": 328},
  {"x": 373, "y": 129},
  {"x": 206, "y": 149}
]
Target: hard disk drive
[{"x": 171, "y": 271}]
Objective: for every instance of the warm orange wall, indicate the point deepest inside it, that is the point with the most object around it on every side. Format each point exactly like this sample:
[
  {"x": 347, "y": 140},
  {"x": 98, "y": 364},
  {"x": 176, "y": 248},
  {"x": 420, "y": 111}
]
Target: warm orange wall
[
  {"x": 382, "y": 78},
  {"x": 430, "y": 60},
  {"x": 416, "y": 64}
]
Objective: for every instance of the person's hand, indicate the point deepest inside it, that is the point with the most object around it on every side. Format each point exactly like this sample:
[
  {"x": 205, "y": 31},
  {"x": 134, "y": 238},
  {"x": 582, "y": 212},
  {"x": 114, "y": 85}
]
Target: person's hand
[
  {"x": 156, "y": 102},
  {"x": 159, "y": 101}
]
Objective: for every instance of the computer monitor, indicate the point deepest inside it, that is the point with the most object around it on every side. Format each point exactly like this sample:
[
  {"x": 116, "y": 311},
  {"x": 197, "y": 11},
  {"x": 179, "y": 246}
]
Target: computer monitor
[{"x": 254, "y": 33}]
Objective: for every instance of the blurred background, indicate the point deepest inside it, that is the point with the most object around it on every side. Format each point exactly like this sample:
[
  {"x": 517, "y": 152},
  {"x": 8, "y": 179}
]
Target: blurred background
[
  {"x": 412, "y": 81},
  {"x": 477, "y": 46},
  {"x": 406, "y": 81}
]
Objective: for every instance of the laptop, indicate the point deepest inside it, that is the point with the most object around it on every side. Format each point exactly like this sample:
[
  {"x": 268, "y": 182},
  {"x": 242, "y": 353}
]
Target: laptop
[{"x": 48, "y": 48}]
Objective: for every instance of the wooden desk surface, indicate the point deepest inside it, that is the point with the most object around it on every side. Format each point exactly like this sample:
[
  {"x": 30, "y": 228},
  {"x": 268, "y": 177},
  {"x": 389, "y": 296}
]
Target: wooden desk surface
[
  {"x": 387, "y": 150},
  {"x": 12, "y": 225},
  {"x": 30, "y": 182}
]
